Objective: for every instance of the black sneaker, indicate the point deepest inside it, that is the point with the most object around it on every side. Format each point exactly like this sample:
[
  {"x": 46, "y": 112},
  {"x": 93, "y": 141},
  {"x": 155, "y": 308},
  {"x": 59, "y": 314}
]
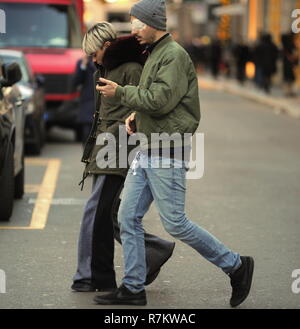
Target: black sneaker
[
  {"x": 241, "y": 281},
  {"x": 122, "y": 296}
]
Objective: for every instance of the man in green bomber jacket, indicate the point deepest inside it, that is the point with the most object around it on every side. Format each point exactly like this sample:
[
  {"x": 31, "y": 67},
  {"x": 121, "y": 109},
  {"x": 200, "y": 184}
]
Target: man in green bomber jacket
[
  {"x": 119, "y": 59},
  {"x": 166, "y": 101}
]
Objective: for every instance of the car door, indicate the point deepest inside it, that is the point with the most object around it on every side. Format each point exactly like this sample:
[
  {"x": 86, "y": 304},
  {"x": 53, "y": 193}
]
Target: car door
[{"x": 17, "y": 116}]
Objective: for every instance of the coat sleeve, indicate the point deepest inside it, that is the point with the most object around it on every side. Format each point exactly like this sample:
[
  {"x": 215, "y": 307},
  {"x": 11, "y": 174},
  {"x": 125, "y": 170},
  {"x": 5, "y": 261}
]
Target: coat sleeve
[
  {"x": 132, "y": 77},
  {"x": 168, "y": 87}
]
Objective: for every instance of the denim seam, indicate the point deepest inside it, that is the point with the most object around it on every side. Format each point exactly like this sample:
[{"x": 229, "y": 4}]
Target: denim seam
[
  {"x": 135, "y": 211},
  {"x": 207, "y": 247}
]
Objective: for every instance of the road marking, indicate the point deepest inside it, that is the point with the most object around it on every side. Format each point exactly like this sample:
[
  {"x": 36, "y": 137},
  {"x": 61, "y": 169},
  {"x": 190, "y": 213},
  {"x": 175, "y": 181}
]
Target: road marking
[
  {"x": 62, "y": 201},
  {"x": 45, "y": 193},
  {"x": 42, "y": 206},
  {"x": 37, "y": 161},
  {"x": 18, "y": 228}
]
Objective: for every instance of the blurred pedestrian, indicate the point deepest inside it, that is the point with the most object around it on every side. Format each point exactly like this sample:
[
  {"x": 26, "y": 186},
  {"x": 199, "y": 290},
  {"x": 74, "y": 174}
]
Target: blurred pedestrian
[
  {"x": 119, "y": 59},
  {"x": 166, "y": 101},
  {"x": 265, "y": 58},
  {"x": 192, "y": 50},
  {"x": 241, "y": 55},
  {"x": 256, "y": 61},
  {"x": 227, "y": 58},
  {"x": 215, "y": 58},
  {"x": 290, "y": 60},
  {"x": 83, "y": 79}
]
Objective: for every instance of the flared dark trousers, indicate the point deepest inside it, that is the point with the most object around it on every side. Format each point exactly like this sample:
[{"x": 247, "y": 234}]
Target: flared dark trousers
[{"x": 98, "y": 230}]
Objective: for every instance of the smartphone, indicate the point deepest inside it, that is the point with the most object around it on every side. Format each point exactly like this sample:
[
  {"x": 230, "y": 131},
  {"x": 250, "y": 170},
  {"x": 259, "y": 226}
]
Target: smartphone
[{"x": 100, "y": 84}]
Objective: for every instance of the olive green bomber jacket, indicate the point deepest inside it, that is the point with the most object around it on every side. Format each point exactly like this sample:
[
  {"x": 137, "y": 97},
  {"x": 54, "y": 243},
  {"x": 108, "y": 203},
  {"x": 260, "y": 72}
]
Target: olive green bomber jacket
[{"x": 166, "y": 99}]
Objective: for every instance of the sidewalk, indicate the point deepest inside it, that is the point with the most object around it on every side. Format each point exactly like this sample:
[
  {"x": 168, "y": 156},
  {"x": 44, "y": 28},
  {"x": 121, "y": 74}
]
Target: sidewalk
[{"x": 275, "y": 100}]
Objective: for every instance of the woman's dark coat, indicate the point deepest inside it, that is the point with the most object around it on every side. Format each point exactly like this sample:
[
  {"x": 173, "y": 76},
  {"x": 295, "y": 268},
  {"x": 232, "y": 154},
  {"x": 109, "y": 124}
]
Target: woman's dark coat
[{"x": 122, "y": 63}]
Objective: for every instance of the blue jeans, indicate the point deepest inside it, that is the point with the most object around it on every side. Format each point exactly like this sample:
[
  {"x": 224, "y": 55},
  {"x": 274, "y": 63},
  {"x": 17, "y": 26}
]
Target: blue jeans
[{"x": 148, "y": 180}]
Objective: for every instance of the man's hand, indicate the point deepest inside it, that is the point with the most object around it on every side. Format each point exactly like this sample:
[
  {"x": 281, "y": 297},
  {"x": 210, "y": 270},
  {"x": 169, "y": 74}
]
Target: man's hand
[
  {"x": 129, "y": 123},
  {"x": 109, "y": 90}
]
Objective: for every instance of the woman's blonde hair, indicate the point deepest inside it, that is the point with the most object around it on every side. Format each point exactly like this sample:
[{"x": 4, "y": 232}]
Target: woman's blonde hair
[{"x": 96, "y": 36}]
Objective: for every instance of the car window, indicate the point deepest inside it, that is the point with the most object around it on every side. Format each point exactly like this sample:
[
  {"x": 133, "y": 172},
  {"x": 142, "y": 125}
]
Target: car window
[{"x": 28, "y": 26}]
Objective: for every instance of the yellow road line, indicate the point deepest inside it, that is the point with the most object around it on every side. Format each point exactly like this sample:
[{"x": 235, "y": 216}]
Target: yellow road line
[
  {"x": 18, "y": 228},
  {"x": 37, "y": 161},
  {"x": 45, "y": 195}
]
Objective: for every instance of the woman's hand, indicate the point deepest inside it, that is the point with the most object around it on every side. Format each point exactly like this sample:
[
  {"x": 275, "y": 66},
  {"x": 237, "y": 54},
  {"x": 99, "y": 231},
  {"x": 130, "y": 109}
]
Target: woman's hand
[{"x": 109, "y": 90}]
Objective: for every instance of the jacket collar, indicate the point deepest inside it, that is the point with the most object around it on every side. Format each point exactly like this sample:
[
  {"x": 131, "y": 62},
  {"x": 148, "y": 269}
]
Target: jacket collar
[
  {"x": 150, "y": 47},
  {"x": 166, "y": 39}
]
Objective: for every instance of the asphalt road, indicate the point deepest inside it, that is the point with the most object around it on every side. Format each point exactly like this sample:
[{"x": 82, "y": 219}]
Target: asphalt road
[{"x": 249, "y": 197}]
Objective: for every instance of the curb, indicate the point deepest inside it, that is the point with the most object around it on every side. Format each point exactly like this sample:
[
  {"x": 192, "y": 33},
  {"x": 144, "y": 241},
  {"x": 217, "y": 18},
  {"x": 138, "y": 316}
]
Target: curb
[{"x": 279, "y": 104}]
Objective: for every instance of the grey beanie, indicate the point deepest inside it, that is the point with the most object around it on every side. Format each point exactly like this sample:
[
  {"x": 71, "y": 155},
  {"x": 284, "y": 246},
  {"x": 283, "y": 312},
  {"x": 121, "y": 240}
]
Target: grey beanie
[{"x": 151, "y": 12}]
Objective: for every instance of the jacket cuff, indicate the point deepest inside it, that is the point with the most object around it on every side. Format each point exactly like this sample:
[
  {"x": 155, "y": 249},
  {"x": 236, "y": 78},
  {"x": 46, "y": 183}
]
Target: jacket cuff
[{"x": 119, "y": 92}]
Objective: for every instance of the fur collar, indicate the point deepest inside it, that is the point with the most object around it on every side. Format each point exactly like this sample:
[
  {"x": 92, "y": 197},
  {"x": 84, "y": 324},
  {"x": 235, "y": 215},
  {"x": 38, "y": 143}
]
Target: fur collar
[{"x": 124, "y": 49}]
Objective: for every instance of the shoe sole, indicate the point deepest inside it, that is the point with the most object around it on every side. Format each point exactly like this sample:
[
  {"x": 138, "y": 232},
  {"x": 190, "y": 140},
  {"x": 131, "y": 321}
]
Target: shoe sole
[
  {"x": 155, "y": 274},
  {"x": 250, "y": 264}
]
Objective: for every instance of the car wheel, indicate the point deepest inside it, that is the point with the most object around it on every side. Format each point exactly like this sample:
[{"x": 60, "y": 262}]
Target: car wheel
[
  {"x": 19, "y": 181},
  {"x": 7, "y": 186}
]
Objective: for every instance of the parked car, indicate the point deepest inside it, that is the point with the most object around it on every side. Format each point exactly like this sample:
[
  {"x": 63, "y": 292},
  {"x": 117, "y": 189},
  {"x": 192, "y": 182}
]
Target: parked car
[
  {"x": 12, "y": 123},
  {"x": 33, "y": 94}
]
